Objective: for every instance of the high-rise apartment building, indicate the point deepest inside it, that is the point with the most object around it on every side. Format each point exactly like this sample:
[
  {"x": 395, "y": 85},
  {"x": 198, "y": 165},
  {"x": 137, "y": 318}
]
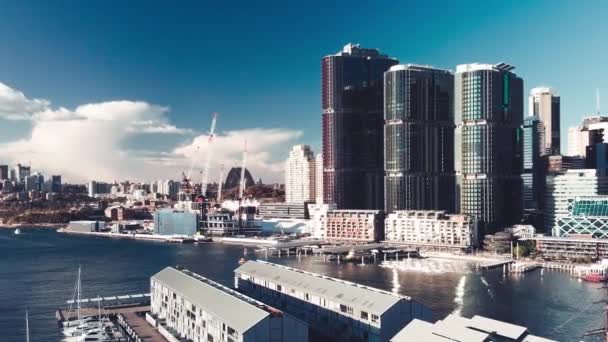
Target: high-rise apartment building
[
  {"x": 418, "y": 138},
  {"x": 533, "y": 176},
  {"x": 562, "y": 189},
  {"x": 352, "y": 92},
  {"x": 544, "y": 104},
  {"x": 300, "y": 175},
  {"x": 488, "y": 113}
]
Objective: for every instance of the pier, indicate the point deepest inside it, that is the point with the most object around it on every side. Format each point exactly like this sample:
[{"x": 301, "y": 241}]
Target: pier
[
  {"x": 150, "y": 237},
  {"x": 496, "y": 264}
]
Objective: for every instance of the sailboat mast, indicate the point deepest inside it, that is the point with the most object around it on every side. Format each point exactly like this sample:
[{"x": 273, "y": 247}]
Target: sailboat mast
[
  {"x": 27, "y": 327},
  {"x": 78, "y": 289}
]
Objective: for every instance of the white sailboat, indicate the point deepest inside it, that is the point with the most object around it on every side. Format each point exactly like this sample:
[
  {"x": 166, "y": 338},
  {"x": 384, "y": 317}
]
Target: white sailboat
[{"x": 17, "y": 231}]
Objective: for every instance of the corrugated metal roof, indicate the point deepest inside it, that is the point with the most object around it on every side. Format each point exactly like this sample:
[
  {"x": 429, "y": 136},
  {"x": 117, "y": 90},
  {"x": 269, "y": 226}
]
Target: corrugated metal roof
[
  {"x": 417, "y": 330},
  {"x": 239, "y": 314},
  {"x": 501, "y": 328},
  {"x": 358, "y": 296}
]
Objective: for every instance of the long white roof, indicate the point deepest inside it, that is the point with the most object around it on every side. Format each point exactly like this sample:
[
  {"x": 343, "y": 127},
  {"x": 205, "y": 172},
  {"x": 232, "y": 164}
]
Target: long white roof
[
  {"x": 236, "y": 310},
  {"x": 358, "y": 296}
]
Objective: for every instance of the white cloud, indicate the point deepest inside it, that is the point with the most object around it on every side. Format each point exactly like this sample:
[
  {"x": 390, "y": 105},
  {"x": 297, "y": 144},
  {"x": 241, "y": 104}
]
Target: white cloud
[{"x": 91, "y": 142}]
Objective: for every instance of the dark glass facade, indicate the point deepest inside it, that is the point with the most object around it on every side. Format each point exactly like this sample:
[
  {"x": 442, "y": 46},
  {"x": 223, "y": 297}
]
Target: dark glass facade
[
  {"x": 352, "y": 101},
  {"x": 418, "y": 139},
  {"x": 533, "y": 175},
  {"x": 489, "y": 114}
]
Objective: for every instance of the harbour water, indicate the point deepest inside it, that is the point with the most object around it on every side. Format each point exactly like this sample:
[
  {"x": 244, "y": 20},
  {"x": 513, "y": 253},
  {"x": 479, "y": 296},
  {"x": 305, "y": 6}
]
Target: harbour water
[{"x": 38, "y": 270}]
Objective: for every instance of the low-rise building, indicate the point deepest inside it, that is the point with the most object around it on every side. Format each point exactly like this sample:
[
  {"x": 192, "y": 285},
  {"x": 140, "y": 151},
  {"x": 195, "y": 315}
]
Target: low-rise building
[
  {"x": 431, "y": 228},
  {"x": 455, "y": 328},
  {"x": 522, "y": 231},
  {"x": 580, "y": 247},
  {"x": 199, "y": 309},
  {"x": 175, "y": 222},
  {"x": 354, "y": 225},
  {"x": 333, "y": 308},
  {"x": 85, "y": 226},
  {"x": 586, "y": 215},
  {"x": 283, "y": 210}
]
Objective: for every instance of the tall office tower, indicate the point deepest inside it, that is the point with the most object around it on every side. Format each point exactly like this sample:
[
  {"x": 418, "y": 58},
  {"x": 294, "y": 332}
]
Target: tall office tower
[
  {"x": 593, "y": 130},
  {"x": 418, "y": 138},
  {"x": 352, "y": 91},
  {"x": 533, "y": 175},
  {"x": 562, "y": 190},
  {"x": 488, "y": 112},
  {"x": 4, "y": 172},
  {"x": 56, "y": 183},
  {"x": 22, "y": 172},
  {"x": 319, "y": 178},
  {"x": 300, "y": 175},
  {"x": 545, "y": 104}
]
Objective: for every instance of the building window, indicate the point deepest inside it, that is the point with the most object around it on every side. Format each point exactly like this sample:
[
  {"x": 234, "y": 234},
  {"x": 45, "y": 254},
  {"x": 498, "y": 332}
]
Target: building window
[
  {"x": 346, "y": 309},
  {"x": 375, "y": 318},
  {"x": 279, "y": 288},
  {"x": 364, "y": 315}
]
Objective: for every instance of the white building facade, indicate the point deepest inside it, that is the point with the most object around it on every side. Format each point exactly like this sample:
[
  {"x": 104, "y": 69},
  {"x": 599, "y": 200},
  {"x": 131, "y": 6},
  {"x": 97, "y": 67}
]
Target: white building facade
[
  {"x": 318, "y": 214},
  {"x": 545, "y": 105},
  {"x": 300, "y": 175},
  {"x": 430, "y": 227},
  {"x": 561, "y": 189}
]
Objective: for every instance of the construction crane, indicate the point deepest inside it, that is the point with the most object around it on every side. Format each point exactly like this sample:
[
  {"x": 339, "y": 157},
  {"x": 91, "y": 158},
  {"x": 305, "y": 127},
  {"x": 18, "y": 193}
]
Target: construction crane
[
  {"x": 242, "y": 182},
  {"x": 208, "y": 157},
  {"x": 219, "y": 184}
]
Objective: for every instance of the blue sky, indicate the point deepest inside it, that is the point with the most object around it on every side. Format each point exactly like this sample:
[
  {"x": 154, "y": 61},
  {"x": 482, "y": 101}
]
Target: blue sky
[{"x": 258, "y": 65}]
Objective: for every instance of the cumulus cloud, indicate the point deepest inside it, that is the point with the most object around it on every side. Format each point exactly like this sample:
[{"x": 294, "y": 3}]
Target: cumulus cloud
[{"x": 92, "y": 142}]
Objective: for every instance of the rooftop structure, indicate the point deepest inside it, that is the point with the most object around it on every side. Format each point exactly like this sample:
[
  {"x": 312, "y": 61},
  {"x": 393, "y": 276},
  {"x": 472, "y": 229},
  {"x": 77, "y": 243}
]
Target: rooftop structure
[
  {"x": 460, "y": 329},
  {"x": 366, "y": 311},
  {"x": 199, "y": 308}
]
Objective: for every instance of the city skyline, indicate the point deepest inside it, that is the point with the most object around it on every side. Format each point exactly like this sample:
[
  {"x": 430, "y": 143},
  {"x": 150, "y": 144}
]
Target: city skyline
[{"x": 170, "y": 81}]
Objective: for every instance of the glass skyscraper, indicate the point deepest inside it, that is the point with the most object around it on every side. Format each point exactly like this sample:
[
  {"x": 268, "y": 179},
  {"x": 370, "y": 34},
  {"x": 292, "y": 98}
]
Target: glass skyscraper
[
  {"x": 418, "y": 138},
  {"x": 533, "y": 175},
  {"x": 488, "y": 141},
  {"x": 352, "y": 101}
]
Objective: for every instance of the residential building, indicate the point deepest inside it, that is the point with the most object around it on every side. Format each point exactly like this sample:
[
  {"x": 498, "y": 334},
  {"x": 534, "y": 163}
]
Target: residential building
[
  {"x": 533, "y": 176},
  {"x": 432, "y": 229},
  {"x": 196, "y": 308},
  {"x": 418, "y": 138},
  {"x": 544, "y": 103},
  {"x": 579, "y": 247},
  {"x": 335, "y": 310},
  {"x": 4, "y": 172},
  {"x": 300, "y": 175},
  {"x": 319, "y": 178},
  {"x": 488, "y": 113},
  {"x": 318, "y": 214},
  {"x": 175, "y": 222},
  {"x": 456, "y": 328},
  {"x": 283, "y": 210},
  {"x": 96, "y": 189},
  {"x": 354, "y": 225},
  {"x": 587, "y": 215},
  {"x": 562, "y": 188},
  {"x": 351, "y": 92}
]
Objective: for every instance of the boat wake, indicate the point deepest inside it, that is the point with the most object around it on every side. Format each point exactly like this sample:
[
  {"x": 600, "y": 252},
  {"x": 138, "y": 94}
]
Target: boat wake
[{"x": 459, "y": 299}]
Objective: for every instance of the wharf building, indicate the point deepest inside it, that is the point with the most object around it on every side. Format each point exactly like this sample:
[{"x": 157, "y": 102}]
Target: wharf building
[
  {"x": 562, "y": 189},
  {"x": 544, "y": 103},
  {"x": 418, "y": 138},
  {"x": 335, "y": 310},
  {"x": 198, "y": 309},
  {"x": 488, "y": 113},
  {"x": 318, "y": 214},
  {"x": 461, "y": 329},
  {"x": 581, "y": 247},
  {"x": 431, "y": 229},
  {"x": 587, "y": 215},
  {"x": 175, "y": 222},
  {"x": 533, "y": 176},
  {"x": 351, "y": 98},
  {"x": 354, "y": 225},
  {"x": 85, "y": 226},
  {"x": 300, "y": 175}
]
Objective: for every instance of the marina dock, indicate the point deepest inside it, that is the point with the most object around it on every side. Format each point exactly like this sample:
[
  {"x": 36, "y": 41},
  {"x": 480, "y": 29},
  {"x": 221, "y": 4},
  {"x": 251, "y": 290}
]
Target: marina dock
[
  {"x": 150, "y": 237},
  {"x": 138, "y": 329}
]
